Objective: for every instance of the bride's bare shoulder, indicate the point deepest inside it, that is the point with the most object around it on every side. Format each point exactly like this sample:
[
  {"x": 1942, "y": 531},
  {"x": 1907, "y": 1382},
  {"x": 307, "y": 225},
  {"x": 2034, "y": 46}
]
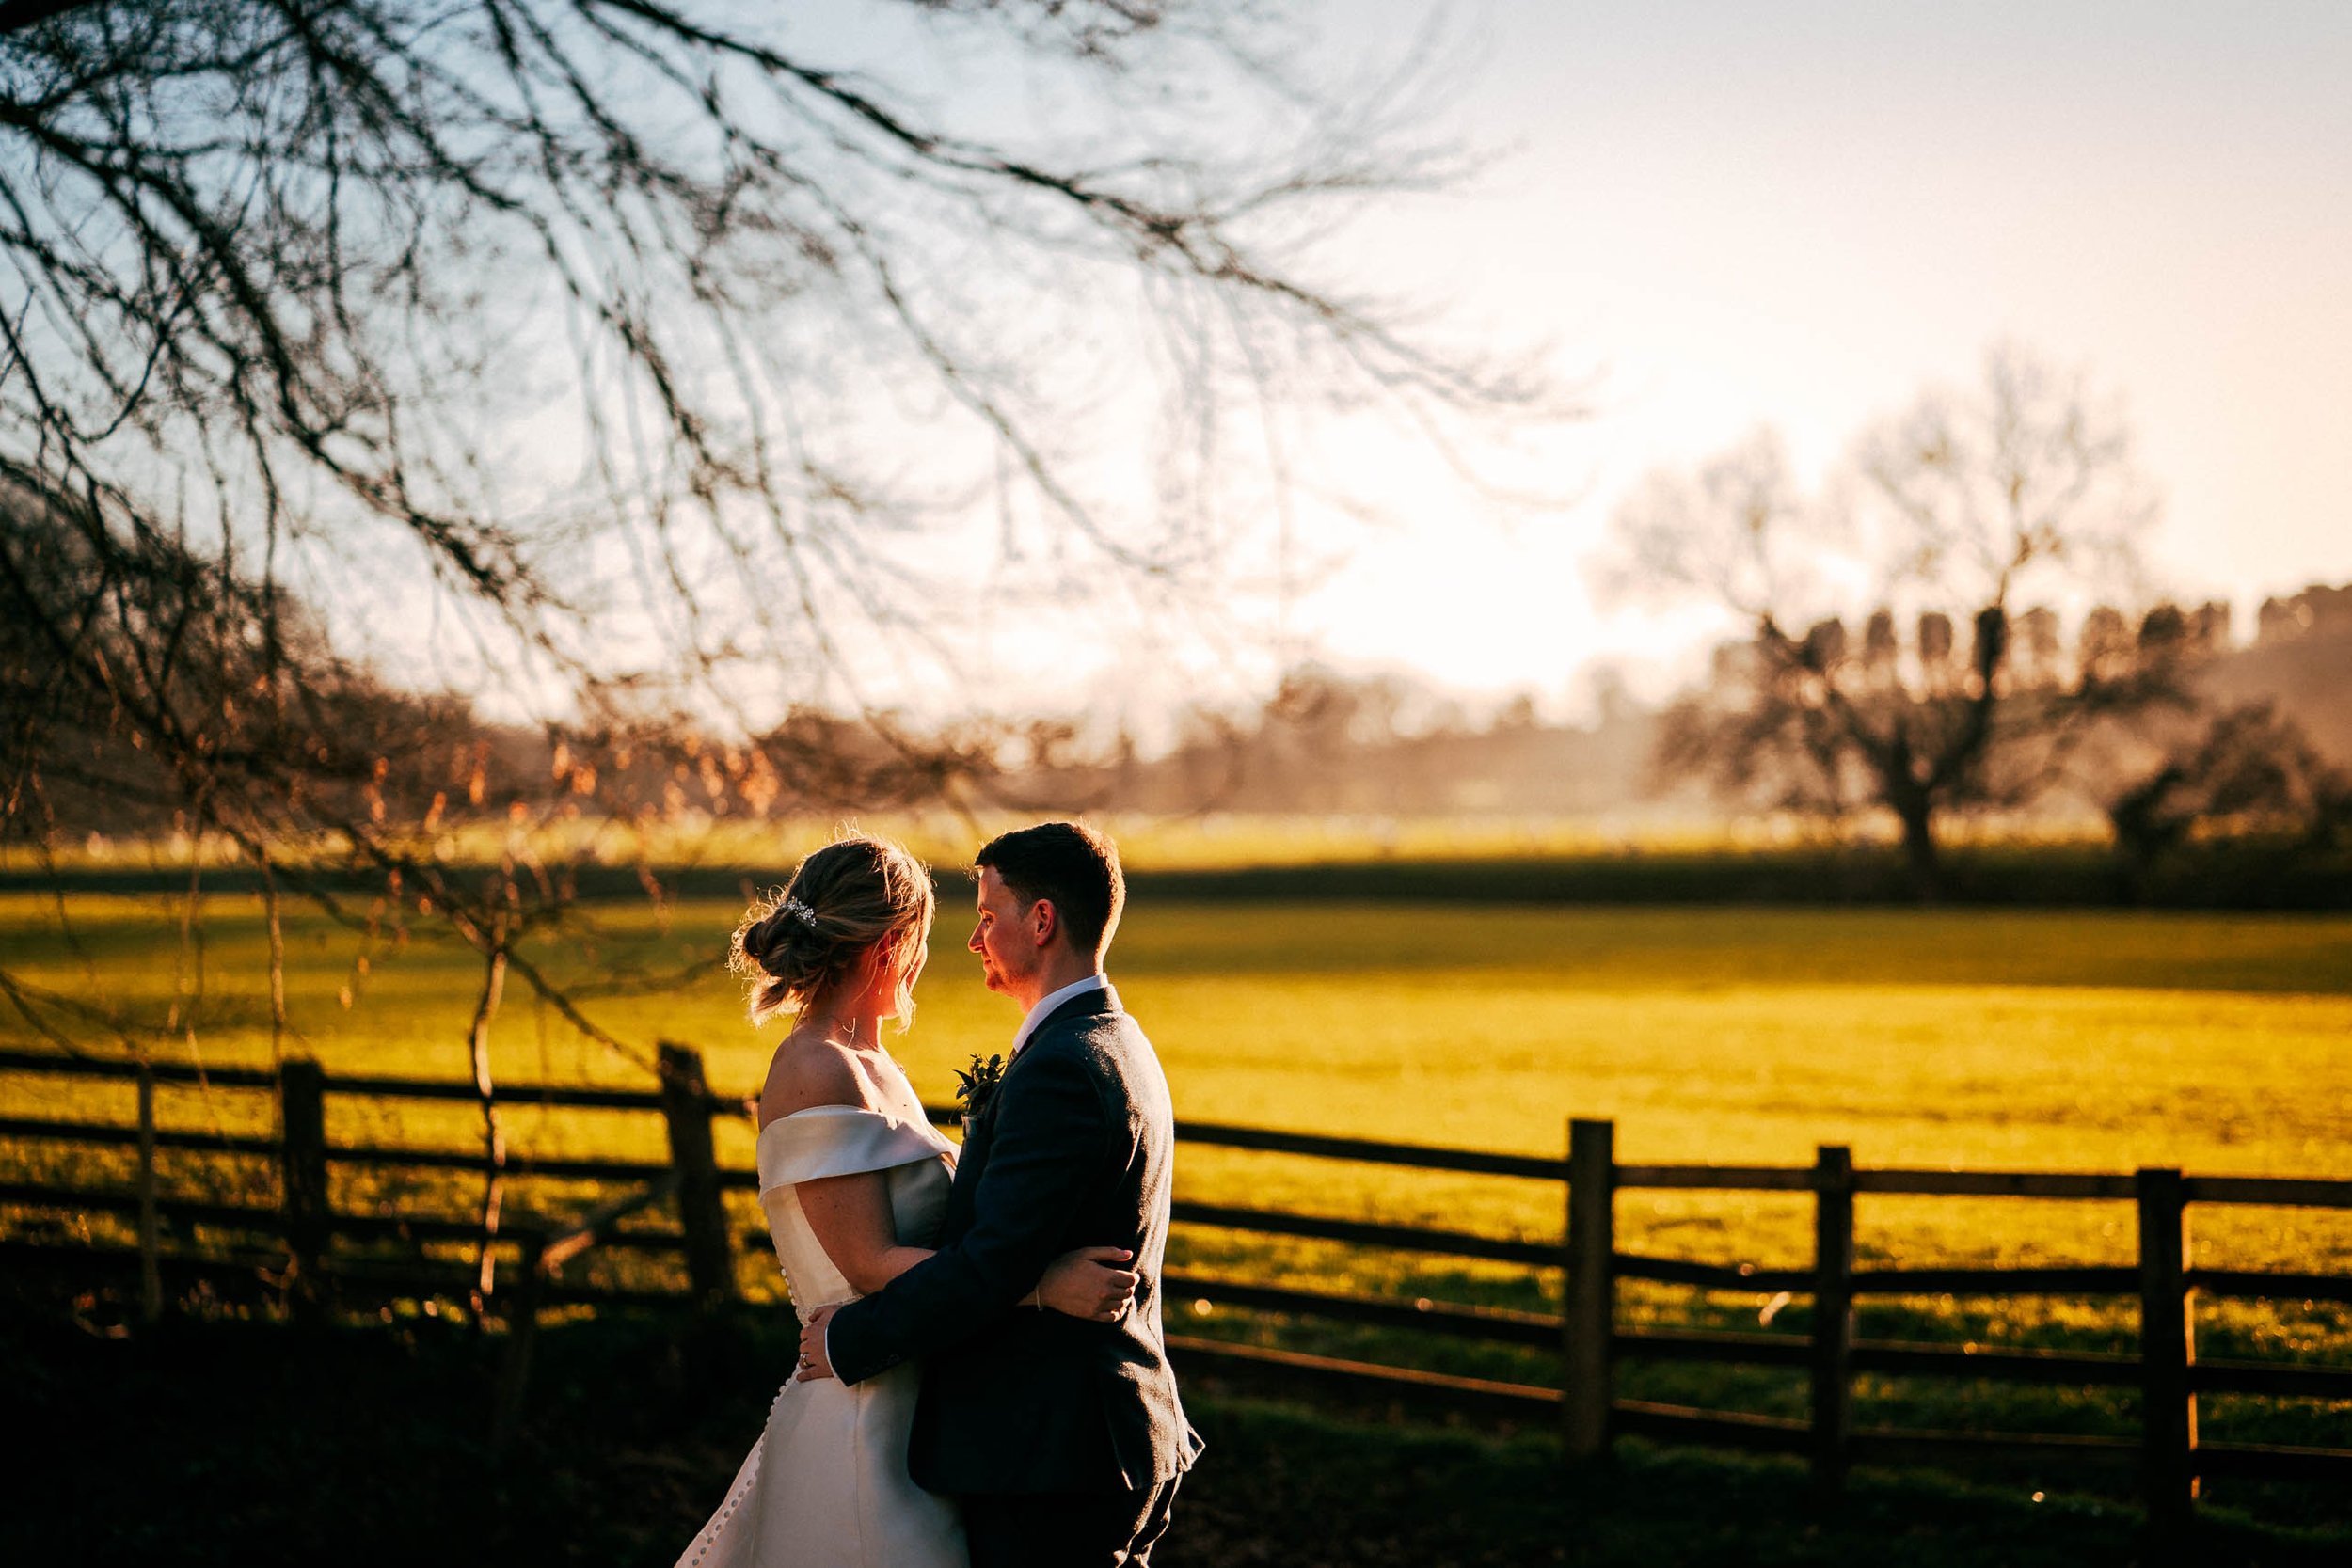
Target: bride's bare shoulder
[{"x": 808, "y": 1070}]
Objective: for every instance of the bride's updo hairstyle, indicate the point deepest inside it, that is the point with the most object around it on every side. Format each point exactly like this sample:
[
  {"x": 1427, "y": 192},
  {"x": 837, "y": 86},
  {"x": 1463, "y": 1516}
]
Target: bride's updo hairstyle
[{"x": 852, "y": 895}]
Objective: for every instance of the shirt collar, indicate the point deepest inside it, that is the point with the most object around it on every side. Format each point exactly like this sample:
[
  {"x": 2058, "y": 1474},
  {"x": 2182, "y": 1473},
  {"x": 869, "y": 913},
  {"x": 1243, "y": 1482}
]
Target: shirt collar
[{"x": 1047, "y": 1003}]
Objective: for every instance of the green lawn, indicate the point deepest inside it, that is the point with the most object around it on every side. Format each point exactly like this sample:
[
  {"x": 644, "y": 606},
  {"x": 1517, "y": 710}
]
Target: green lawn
[
  {"x": 2066, "y": 1041},
  {"x": 1973, "y": 1039}
]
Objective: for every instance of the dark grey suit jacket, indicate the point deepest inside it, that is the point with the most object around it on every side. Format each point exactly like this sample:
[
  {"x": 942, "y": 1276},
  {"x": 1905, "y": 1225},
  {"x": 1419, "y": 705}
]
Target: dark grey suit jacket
[{"x": 1074, "y": 1149}]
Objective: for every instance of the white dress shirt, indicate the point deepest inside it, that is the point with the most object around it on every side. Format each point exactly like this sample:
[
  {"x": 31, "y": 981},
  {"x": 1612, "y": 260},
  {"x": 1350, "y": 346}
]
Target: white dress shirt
[{"x": 1047, "y": 1003}]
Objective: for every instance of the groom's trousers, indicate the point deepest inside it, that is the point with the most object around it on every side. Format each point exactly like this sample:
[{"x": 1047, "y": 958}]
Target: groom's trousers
[{"x": 1067, "y": 1529}]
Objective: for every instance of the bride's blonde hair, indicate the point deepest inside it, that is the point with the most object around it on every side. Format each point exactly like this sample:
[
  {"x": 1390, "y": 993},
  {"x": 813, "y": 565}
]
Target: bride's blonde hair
[{"x": 856, "y": 893}]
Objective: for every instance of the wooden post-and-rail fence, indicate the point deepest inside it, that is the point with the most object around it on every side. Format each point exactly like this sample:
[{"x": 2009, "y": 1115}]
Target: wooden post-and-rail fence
[
  {"x": 2170, "y": 1458},
  {"x": 310, "y": 1274}
]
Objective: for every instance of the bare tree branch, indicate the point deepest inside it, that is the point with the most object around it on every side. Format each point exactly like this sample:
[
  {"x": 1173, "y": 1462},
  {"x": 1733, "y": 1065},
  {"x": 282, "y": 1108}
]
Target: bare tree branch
[{"x": 1966, "y": 503}]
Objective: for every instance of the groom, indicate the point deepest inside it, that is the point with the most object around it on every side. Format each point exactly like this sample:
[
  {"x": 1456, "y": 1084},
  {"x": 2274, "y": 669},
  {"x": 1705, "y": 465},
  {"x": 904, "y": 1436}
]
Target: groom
[{"x": 1062, "y": 1438}]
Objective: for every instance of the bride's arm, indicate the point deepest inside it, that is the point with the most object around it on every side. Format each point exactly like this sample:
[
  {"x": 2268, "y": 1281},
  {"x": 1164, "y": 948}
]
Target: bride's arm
[{"x": 850, "y": 1216}]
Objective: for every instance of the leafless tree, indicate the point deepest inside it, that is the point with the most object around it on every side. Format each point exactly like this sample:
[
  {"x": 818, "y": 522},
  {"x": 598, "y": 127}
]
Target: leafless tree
[
  {"x": 2243, "y": 770},
  {"x": 297, "y": 294},
  {"x": 1970, "y": 503},
  {"x": 646, "y": 357},
  {"x": 282, "y": 271}
]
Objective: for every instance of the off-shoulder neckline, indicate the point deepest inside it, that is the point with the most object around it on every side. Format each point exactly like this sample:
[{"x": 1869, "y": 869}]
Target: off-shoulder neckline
[{"x": 848, "y": 1110}]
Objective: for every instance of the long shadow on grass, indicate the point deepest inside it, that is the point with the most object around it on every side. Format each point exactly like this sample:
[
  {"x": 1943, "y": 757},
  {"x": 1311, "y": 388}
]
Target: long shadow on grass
[
  {"x": 253, "y": 1443},
  {"x": 1282, "y": 1486}
]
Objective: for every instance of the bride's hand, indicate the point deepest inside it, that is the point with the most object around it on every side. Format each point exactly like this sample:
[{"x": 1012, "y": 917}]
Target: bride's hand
[{"x": 1088, "y": 1284}]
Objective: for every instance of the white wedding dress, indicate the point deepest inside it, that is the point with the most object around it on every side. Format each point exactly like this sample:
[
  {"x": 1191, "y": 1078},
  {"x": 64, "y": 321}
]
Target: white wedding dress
[{"x": 826, "y": 1485}]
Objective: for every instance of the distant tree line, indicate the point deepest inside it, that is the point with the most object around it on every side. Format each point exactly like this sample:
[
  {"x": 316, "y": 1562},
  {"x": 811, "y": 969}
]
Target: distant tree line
[
  {"x": 1959, "y": 695},
  {"x": 2138, "y": 722},
  {"x": 2154, "y": 719},
  {"x": 1328, "y": 743}
]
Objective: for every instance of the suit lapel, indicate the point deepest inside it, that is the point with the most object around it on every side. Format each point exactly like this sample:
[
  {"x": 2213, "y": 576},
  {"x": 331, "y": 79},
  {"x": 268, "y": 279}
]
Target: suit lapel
[
  {"x": 1093, "y": 1003},
  {"x": 981, "y": 1132}
]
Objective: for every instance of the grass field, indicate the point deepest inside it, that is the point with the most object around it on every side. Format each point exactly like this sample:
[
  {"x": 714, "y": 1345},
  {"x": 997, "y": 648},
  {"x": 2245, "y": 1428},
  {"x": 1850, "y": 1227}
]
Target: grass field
[
  {"x": 1206, "y": 841},
  {"x": 1973, "y": 1039},
  {"x": 2068, "y": 1040}
]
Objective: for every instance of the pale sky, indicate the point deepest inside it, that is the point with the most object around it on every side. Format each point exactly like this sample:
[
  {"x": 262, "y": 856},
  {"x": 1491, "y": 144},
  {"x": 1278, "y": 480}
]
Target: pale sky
[{"x": 1801, "y": 213}]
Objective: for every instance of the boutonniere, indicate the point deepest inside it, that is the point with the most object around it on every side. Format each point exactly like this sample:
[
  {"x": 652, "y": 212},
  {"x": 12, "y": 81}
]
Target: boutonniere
[{"x": 976, "y": 1085}]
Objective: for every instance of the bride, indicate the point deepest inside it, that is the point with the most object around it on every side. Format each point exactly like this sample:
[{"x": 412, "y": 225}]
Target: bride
[{"x": 855, "y": 1182}]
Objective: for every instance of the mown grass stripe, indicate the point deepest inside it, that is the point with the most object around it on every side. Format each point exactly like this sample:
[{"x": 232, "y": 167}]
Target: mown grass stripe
[
  {"x": 1710, "y": 1276},
  {"x": 1260, "y": 1364},
  {"x": 1997, "y": 1183},
  {"x": 112, "y": 1136},
  {"x": 2271, "y": 1285},
  {"x": 1459, "y": 1244},
  {"x": 1420, "y": 1315},
  {"x": 2086, "y": 1280}
]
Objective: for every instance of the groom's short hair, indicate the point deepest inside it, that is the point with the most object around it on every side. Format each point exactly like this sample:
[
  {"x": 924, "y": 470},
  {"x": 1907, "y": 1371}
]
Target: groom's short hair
[{"x": 1069, "y": 866}]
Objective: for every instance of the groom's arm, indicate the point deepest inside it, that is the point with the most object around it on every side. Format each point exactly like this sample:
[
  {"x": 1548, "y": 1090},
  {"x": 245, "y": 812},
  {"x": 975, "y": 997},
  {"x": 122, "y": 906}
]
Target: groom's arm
[{"x": 1046, "y": 1152}]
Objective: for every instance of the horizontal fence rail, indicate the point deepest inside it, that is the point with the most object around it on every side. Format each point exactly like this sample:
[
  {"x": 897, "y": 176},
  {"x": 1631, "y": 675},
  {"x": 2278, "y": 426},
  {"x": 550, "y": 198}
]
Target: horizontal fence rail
[{"x": 296, "y": 1264}]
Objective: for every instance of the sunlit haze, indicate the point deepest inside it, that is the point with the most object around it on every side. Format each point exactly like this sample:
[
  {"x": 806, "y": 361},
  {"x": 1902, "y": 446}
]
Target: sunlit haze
[
  {"x": 1801, "y": 214},
  {"x": 1714, "y": 217}
]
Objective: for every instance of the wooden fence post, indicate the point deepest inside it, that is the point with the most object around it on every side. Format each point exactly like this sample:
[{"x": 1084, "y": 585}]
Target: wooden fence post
[
  {"x": 1589, "y": 1319},
  {"x": 302, "y": 1152},
  {"x": 151, "y": 1263},
  {"x": 702, "y": 1208},
  {"x": 2167, "y": 1349},
  {"x": 1833, "y": 1316}
]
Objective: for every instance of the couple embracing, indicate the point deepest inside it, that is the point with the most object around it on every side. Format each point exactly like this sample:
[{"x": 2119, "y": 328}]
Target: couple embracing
[{"x": 982, "y": 1380}]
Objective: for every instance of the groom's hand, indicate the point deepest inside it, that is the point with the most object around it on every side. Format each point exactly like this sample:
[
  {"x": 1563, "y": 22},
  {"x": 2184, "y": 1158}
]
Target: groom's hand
[{"x": 814, "y": 1362}]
